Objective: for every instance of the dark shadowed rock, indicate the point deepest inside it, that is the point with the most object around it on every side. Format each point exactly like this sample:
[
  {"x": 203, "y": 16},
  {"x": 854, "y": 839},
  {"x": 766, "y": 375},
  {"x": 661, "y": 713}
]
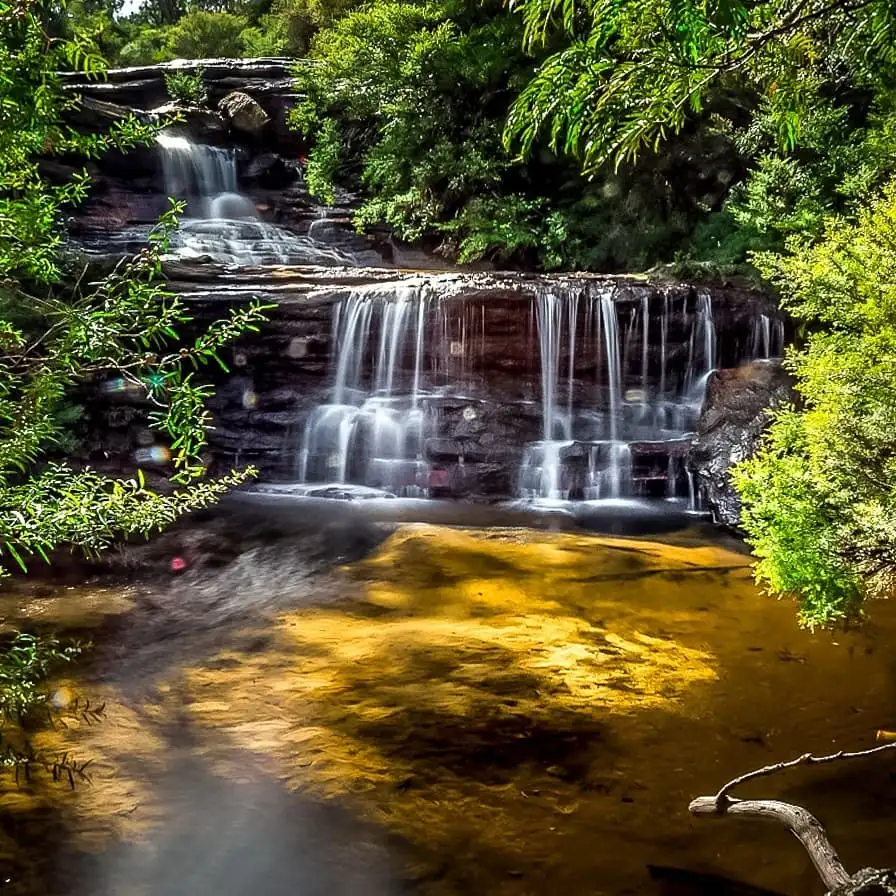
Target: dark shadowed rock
[
  {"x": 735, "y": 414},
  {"x": 270, "y": 171},
  {"x": 201, "y": 124}
]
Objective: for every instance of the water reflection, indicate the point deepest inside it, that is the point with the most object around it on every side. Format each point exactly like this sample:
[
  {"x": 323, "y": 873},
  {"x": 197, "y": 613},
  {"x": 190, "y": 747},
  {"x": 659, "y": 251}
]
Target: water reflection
[{"x": 463, "y": 712}]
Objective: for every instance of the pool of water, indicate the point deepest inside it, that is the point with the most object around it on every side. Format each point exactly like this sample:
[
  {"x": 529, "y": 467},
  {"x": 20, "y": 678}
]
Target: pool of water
[{"x": 460, "y": 711}]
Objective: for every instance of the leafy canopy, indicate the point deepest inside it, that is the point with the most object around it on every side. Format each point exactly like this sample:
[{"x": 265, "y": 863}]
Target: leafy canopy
[
  {"x": 406, "y": 103},
  {"x": 629, "y": 73}
]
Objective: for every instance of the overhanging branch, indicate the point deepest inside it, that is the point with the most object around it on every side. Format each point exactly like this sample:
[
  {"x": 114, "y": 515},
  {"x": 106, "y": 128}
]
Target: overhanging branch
[{"x": 800, "y": 822}]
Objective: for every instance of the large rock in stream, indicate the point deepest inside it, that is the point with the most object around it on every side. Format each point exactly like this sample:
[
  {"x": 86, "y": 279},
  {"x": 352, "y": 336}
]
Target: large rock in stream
[{"x": 736, "y": 412}]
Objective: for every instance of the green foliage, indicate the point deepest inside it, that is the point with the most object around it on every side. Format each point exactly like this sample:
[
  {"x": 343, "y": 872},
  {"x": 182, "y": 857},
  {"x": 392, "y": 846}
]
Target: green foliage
[
  {"x": 629, "y": 73},
  {"x": 411, "y": 86},
  {"x": 406, "y": 103},
  {"x": 323, "y": 162},
  {"x": 145, "y": 48},
  {"x": 290, "y": 26},
  {"x": 55, "y": 336},
  {"x": 25, "y": 663},
  {"x": 820, "y": 499},
  {"x": 187, "y": 88},
  {"x": 201, "y": 35},
  {"x": 801, "y": 92}
]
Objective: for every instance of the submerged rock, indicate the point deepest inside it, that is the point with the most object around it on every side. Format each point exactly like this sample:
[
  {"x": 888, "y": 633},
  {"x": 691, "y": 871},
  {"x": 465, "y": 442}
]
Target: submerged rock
[{"x": 736, "y": 412}]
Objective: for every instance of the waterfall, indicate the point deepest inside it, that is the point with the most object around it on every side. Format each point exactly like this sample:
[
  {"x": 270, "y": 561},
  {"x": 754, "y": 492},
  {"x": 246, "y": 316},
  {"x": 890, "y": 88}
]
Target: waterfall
[
  {"x": 634, "y": 442},
  {"x": 220, "y": 222},
  {"x": 402, "y": 411},
  {"x": 372, "y": 431},
  {"x": 767, "y": 338},
  {"x": 542, "y": 468},
  {"x": 199, "y": 173},
  {"x": 702, "y": 350}
]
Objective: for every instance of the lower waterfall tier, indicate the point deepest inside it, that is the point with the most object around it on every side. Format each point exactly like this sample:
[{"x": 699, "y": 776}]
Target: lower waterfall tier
[{"x": 476, "y": 386}]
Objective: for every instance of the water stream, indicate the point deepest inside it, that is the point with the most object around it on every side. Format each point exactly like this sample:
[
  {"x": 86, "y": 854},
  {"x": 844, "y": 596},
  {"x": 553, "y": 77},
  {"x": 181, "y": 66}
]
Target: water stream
[
  {"x": 221, "y": 223},
  {"x": 618, "y": 397},
  {"x": 457, "y": 712}
]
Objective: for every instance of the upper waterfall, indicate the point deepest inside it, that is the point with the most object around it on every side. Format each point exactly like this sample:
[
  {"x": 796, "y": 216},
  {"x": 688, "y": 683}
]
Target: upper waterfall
[{"x": 220, "y": 222}]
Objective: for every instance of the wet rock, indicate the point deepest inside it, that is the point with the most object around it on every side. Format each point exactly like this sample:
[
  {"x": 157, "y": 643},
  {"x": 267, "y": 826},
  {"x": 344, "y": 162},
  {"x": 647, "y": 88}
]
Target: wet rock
[
  {"x": 869, "y": 882},
  {"x": 271, "y": 171},
  {"x": 93, "y": 114},
  {"x": 736, "y": 412},
  {"x": 482, "y": 409},
  {"x": 243, "y": 112},
  {"x": 201, "y": 124}
]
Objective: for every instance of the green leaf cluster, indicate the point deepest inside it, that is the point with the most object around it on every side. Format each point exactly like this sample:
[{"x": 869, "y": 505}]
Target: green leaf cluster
[
  {"x": 187, "y": 88},
  {"x": 59, "y": 331},
  {"x": 801, "y": 90},
  {"x": 406, "y": 103},
  {"x": 820, "y": 497}
]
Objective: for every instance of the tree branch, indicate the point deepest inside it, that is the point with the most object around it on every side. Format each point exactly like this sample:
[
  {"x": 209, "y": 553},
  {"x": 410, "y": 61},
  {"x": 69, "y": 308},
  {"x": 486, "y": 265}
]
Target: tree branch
[
  {"x": 800, "y": 822},
  {"x": 805, "y": 759}
]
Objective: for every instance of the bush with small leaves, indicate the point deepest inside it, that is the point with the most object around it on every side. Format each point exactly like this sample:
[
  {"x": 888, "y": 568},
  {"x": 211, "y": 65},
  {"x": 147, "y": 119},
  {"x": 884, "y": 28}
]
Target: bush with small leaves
[
  {"x": 55, "y": 336},
  {"x": 187, "y": 88}
]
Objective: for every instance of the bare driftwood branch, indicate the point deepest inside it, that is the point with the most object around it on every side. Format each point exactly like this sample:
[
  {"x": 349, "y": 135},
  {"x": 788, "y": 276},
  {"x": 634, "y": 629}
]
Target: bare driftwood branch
[
  {"x": 800, "y": 822},
  {"x": 805, "y": 759}
]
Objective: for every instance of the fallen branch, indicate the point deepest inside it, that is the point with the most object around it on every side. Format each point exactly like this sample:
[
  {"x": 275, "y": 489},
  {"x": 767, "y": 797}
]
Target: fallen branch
[
  {"x": 805, "y": 759},
  {"x": 800, "y": 822}
]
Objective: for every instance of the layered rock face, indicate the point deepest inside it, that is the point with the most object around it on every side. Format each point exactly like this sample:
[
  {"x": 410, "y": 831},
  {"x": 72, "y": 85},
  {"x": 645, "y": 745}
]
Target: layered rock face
[
  {"x": 268, "y": 82},
  {"x": 737, "y": 410},
  {"x": 437, "y": 382},
  {"x": 460, "y": 384}
]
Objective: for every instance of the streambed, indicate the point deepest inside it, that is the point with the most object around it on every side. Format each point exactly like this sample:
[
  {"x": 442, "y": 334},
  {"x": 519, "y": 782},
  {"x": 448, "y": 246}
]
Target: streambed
[{"x": 460, "y": 711}]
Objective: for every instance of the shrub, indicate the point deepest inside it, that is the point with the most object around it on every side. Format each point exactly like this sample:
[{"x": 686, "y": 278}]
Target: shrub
[
  {"x": 187, "y": 88},
  {"x": 819, "y": 504}
]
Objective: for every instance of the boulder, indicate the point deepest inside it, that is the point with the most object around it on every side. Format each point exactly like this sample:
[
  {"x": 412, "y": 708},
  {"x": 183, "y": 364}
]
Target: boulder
[
  {"x": 736, "y": 412},
  {"x": 201, "y": 124},
  {"x": 244, "y": 113}
]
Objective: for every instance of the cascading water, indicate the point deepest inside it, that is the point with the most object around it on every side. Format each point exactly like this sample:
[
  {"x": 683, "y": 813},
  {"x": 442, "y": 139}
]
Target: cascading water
[
  {"x": 631, "y": 439},
  {"x": 767, "y": 339},
  {"x": 221, "y": 223},
  {"x": 372, "y": 431},
  {"x": 621, "y": 379}
]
